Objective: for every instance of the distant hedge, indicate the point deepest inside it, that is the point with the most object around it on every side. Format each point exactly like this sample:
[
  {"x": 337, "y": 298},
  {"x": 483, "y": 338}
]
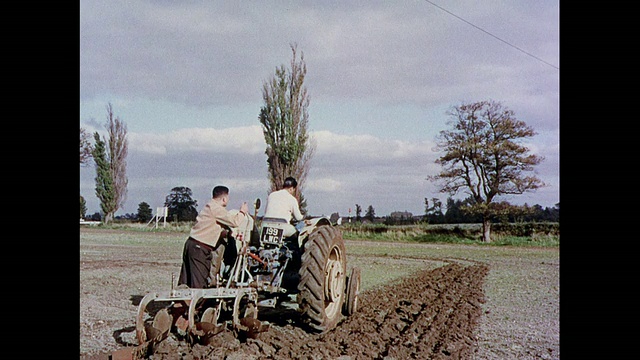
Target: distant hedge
[
  {"x": 526, "y": 229},
  {"x": 459, "y": 230}
]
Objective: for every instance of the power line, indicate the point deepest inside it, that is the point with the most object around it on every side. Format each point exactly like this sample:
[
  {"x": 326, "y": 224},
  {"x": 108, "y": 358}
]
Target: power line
[{"x": 488, "y": 33}]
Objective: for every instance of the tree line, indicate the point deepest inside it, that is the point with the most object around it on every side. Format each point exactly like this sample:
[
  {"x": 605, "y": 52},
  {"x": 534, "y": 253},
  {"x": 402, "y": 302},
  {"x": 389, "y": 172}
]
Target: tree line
[
  {"x": 182, "y": 207},
  {"x": 456, "y": 212}
]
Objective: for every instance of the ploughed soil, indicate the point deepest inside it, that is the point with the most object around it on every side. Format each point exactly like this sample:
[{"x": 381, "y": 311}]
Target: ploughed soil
[{"x": 431, "y": 315}]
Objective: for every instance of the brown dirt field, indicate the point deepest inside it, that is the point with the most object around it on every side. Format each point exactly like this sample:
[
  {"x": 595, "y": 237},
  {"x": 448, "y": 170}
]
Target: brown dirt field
[
  {"x": 435, "y": 313},
  {"x": 432, "y": 315}
]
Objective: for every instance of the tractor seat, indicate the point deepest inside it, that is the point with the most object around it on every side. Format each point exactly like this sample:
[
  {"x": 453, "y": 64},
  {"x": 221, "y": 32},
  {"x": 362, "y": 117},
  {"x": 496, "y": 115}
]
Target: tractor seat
[{"x": 272, "y": 219}]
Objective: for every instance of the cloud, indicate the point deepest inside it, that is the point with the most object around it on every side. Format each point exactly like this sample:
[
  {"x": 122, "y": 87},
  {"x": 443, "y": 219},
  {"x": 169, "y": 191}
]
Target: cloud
[
  {"x": 203, "y": 54},
  {"x": 327, "y": 185},
  {"x": 246, "y": 140},
  {"x": 368, "y": 147}
]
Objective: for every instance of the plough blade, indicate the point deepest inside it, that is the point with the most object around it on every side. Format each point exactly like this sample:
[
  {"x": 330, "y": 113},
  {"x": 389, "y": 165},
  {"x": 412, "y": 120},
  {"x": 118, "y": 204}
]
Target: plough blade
[
  {"x": 129, "y": 353},
  {"x": 207, "y": 331},
  {"x": 142, "y": 350},
  {"x": 253, "y": 327}
]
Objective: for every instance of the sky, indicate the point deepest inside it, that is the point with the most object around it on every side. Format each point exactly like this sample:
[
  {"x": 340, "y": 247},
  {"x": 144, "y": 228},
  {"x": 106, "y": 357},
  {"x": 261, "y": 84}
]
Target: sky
[{"x": 186, "y": 78}]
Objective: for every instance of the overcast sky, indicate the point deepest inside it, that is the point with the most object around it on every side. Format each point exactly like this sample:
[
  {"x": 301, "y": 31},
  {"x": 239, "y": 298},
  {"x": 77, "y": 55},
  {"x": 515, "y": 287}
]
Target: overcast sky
[{"x": 186, "y": 78}]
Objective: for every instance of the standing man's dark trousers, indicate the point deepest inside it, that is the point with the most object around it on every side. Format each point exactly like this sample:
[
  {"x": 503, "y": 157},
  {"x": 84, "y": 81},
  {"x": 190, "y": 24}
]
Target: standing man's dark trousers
[{"x": 200, "y": 263}]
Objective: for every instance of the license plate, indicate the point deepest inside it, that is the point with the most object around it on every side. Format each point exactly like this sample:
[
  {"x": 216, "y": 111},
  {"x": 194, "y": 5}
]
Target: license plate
[{"x": 271, "y": 235}]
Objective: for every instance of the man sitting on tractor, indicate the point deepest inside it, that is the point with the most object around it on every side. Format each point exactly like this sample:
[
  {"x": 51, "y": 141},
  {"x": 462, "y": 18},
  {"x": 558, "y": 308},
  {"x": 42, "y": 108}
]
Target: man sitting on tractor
[{"x": 283, "y": 204}]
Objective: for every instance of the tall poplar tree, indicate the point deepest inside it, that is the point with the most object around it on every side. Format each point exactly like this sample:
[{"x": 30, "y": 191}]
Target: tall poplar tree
[
  {"x": 110, "y": 157},
  {"x": 104, "y": 180},
  {"x": 284, "y": 118},
  {"x": 118, "y": 150}
]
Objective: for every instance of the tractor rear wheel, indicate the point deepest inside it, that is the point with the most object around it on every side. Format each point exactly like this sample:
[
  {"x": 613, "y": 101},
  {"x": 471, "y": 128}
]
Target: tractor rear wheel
[{"x": 322, "y": 279}]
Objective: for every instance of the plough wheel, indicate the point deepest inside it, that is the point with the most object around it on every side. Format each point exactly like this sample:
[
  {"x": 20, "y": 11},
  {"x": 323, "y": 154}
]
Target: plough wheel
[
  {"x": 141, "y": 329},
  {"x": 210, "y": 315},
  {"x": 196, "y": 296},
  {"x": 353, "y": 290},
  {"x": 201, "y": 331},
  {"x": 208, "y": 325},
  {"x": 161, "y": 323},
  {"x": 149, "y": 335},
  {"x": 245, "y": 316}
]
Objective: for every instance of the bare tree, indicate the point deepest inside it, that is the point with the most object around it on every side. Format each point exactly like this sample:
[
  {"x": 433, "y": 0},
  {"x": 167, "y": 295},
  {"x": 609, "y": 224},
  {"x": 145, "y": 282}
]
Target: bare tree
[
  {"x": 110, "y": 156},
  {"x": 118, "y": 149},
  {"x": 484, "y": 157},
  {"x": 284, "y": 118},
  {"x": 85, "y": 147}
]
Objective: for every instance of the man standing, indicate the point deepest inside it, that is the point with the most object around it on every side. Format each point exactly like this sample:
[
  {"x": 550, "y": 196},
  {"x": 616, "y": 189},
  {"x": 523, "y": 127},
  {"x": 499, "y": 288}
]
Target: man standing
[
  {"x": 204, "y": 249},
  {"x": 282, "y": 204}
]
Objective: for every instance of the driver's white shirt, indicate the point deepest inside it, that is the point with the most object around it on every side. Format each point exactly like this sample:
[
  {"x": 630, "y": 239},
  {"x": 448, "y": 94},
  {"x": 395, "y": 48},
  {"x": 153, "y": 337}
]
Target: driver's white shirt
[{"x": 281, "y": 204}]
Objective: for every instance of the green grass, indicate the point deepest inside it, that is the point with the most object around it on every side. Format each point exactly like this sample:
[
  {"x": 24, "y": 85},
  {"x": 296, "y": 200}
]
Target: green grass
[
  {"x": 535, "y": 240},
  {"x": 539, "y": 235},
  {"x": 465, "y": 234},
  {"x": 182, "y": 227},
  {"x": 381, "y": 261}
]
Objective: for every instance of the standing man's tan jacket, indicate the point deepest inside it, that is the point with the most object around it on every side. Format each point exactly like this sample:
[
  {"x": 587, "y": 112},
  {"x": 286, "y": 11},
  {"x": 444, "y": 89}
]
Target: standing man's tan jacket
[{"x": 204, "y": 249}]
